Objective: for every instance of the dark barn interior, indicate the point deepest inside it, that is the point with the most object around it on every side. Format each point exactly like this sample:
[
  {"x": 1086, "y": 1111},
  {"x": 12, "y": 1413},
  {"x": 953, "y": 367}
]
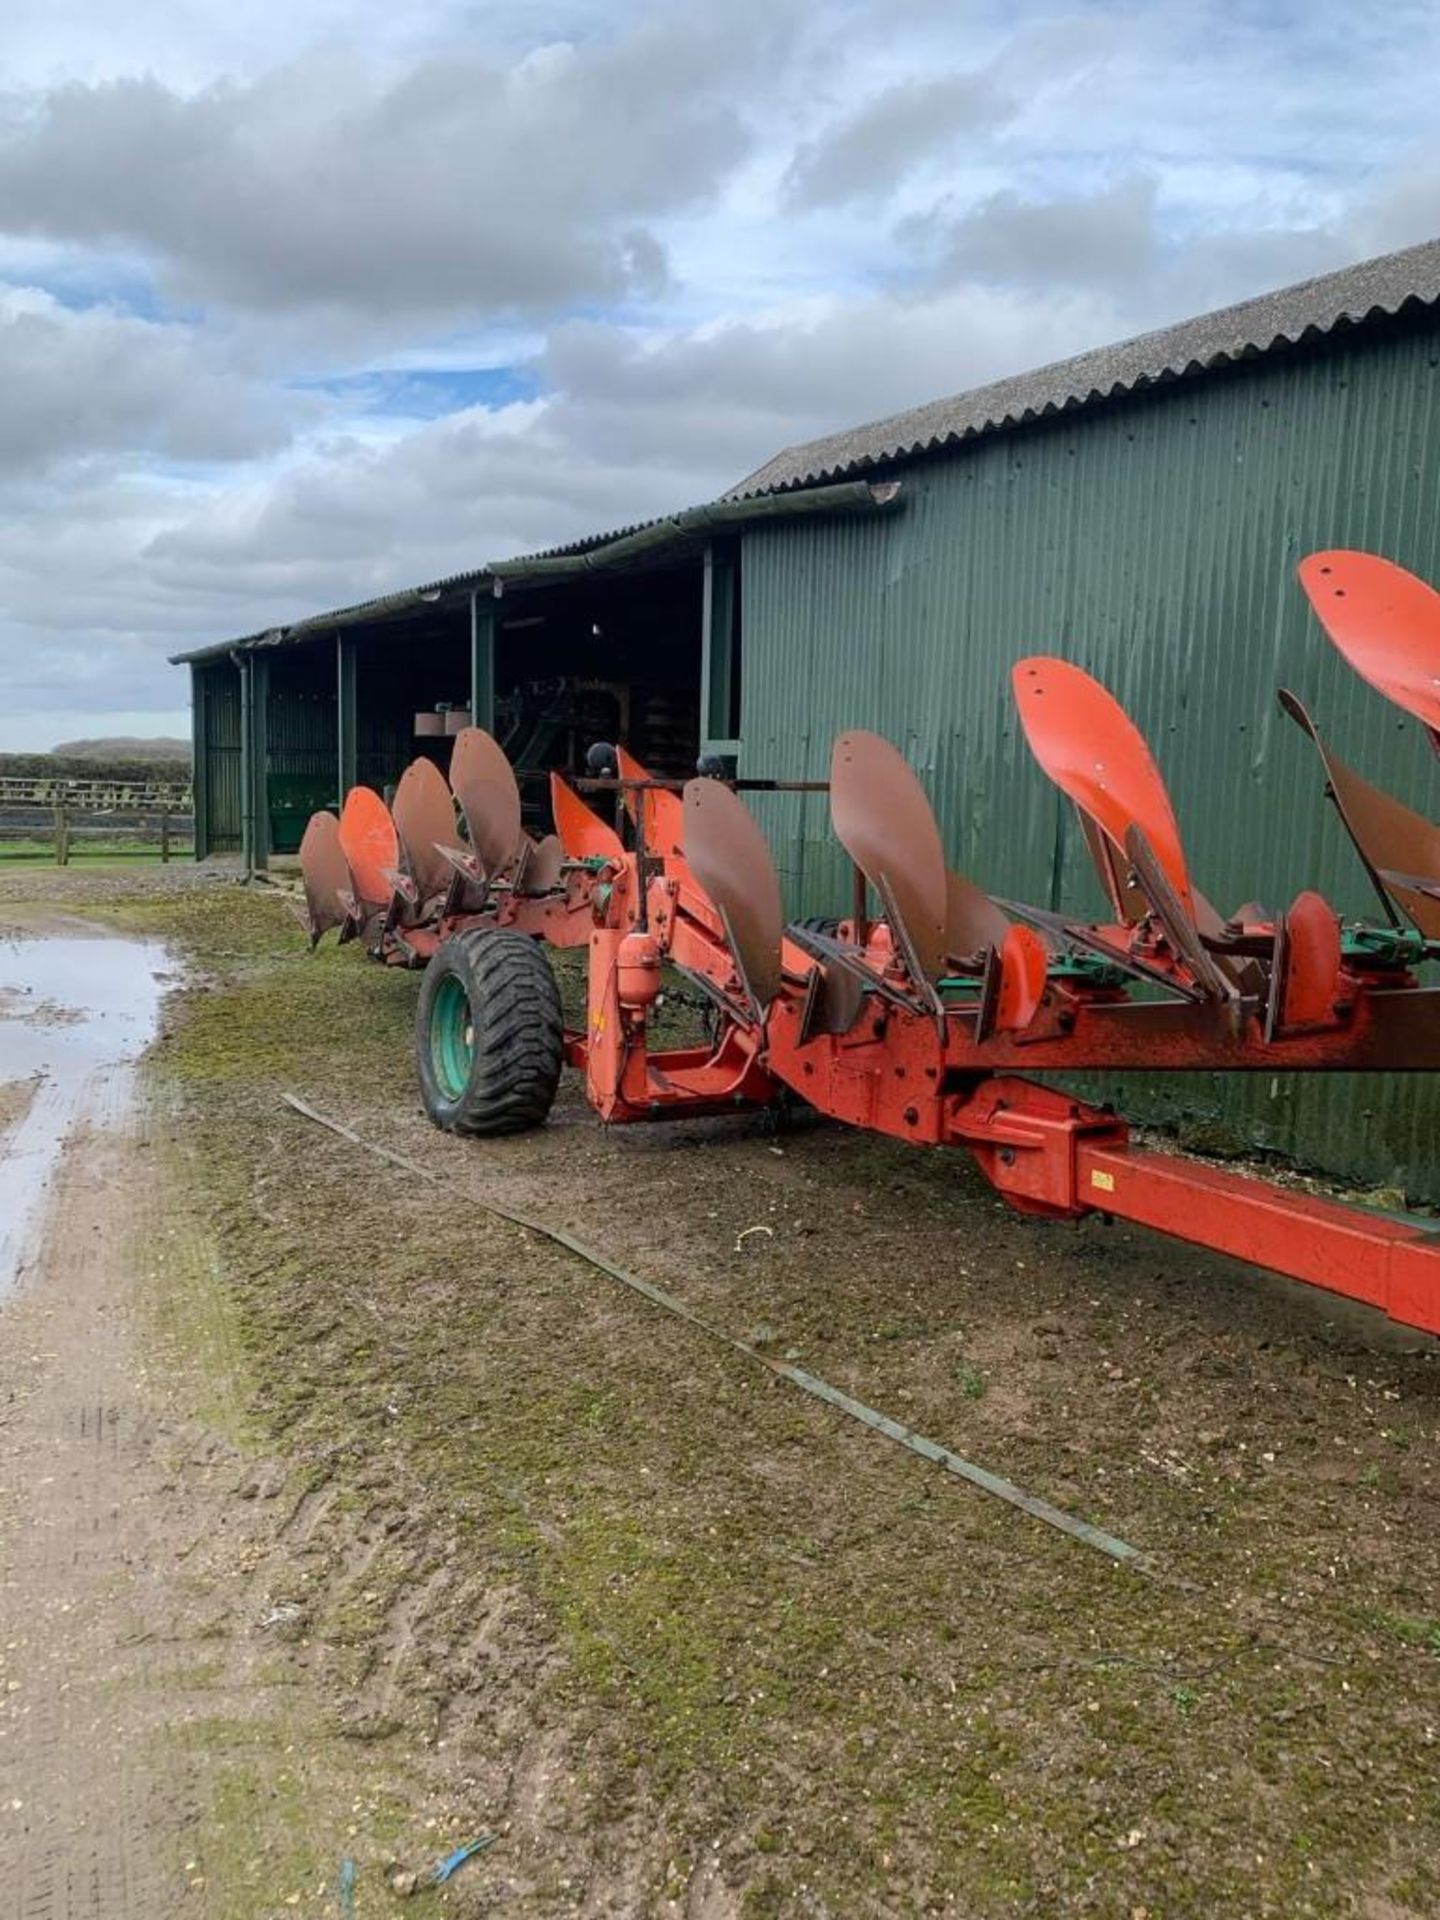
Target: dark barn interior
[{"x": 291, "y": 721}]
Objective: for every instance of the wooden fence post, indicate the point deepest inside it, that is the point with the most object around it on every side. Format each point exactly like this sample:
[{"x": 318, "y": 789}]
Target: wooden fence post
[
  {"x": 164, "y": 835},
  {"x": 62, "y": 835}
]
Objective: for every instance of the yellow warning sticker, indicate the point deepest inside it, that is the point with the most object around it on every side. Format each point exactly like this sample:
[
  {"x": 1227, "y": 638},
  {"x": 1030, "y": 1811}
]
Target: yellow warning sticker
[{"x": 1105, "y": 1181}]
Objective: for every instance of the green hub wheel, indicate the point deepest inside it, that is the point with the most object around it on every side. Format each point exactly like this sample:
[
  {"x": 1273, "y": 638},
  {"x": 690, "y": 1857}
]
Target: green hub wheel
[
  {"x": 452, "y": 1037},
  {"x": 489, "y": 1041}
]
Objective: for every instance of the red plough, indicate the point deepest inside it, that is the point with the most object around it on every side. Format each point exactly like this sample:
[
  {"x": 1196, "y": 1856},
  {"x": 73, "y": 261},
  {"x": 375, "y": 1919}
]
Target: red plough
[{"x": 925, "y": 1021}]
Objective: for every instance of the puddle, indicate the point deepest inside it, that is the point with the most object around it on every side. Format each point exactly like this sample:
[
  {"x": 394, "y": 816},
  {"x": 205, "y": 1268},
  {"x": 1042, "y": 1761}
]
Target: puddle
[{"x": 74, "y": 1015}]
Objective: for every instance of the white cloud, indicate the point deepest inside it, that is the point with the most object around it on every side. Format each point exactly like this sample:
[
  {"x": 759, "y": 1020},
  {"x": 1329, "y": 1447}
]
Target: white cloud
[
  {"x": 866, "y": 155},
  {"x": 226, "y": 235},
  {"x": 454, "y": 187},
  {"x": 77, "y": 384}
]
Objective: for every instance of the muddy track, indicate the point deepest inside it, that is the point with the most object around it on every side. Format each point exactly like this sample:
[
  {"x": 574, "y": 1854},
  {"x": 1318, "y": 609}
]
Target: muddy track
[
  {"x": 443, "y": 1533},
  {"x": 82, "y": 1825}
]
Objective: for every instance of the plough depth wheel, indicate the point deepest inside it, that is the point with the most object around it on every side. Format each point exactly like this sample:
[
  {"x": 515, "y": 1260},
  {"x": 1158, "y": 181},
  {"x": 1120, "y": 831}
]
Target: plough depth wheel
[{"x": 489, "y": 1037}]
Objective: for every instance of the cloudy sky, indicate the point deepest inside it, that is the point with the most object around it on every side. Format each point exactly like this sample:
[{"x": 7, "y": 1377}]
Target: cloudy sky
[{"x": 301, "y": 302}]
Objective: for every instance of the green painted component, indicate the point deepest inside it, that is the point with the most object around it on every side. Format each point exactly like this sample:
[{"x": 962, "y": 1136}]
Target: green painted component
[
  {"x": 286, "y": 746},
  {"x": 1086, "y": 969},
  {"x": 217, "y": 771},
  {"x": 346, "y": 720},
  {"x": 247, "y": 761},
  {"x": 1154, "y": 541},
  {"x": 1089, "y": 970},
  {"x": 482, "y": 664},
  {"x": 257, "y": 761},
  {"x": 961, "y": 984},
  {"x": 200, "y": 758},
  {"x": 1368, "y": 946},
  {"x": 452, "y": 1037},
  {"x": 719, "y": 653},
  {"x": 290, "y": 799}
]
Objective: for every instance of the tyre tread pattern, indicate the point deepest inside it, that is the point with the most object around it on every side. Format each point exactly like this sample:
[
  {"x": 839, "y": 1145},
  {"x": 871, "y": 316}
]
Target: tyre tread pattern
[{"x": 519, "y": 1033}]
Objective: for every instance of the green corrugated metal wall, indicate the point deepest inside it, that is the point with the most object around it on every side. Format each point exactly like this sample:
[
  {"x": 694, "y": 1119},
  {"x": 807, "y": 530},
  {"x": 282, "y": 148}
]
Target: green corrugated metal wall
[
  {"x": 221, "y": 706},
  {"x": 301, "y": 730},
  {"x": 302, "y": 763},
  {"x": 1153, "y": 541}
]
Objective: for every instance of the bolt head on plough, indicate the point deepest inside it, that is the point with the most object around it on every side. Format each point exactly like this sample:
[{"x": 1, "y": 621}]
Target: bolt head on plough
[{"x": 922, "y": 1014}]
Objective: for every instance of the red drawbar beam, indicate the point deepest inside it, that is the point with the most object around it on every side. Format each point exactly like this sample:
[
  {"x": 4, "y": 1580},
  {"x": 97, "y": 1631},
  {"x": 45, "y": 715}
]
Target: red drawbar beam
[{"x": 1382, "y": 1262}]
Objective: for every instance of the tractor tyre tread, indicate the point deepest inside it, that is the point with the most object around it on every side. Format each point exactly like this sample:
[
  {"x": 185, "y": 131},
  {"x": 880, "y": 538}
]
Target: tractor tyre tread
[{"x": 519, "y": 1036}]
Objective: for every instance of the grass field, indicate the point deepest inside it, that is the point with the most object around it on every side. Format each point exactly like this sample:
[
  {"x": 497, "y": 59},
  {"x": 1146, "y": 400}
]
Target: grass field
[{"x": 92, "y": 852}]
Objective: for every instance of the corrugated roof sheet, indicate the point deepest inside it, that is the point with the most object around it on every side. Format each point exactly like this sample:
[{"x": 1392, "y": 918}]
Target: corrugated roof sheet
[
  {"x": 1309, "y": 310},
  {"x": 677, "y": 534},
  {"x": 365, "y": 611},
  {"x": 1381, "y": 287}
]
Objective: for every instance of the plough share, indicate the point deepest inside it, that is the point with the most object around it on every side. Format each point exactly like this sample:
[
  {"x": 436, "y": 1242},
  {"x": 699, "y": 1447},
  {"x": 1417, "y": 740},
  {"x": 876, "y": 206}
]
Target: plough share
[{"x": 925, "y": 1018}]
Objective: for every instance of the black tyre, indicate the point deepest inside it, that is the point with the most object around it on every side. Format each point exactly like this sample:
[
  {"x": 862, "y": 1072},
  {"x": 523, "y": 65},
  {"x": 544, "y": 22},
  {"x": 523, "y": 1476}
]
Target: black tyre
[{"x": 489, "y": 1039}]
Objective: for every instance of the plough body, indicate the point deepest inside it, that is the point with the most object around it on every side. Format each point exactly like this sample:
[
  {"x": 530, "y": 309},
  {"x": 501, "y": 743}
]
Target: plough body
[{"x": 925, "y": 1021}]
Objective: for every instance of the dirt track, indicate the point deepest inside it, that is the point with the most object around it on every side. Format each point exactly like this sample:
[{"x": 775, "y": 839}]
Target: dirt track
[{"x": 427, "y": 1531}]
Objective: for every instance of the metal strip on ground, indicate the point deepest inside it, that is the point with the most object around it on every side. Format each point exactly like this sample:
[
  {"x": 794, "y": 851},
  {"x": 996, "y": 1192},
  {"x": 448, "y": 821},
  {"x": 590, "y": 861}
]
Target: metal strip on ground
[{"x": 977, "y": 1476}]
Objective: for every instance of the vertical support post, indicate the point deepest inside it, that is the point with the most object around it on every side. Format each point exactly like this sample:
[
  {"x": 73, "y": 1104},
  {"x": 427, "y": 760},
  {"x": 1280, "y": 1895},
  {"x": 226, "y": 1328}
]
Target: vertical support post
[
  {"x": 62, "y": 835},
  {"x": 164, "y": 836},
  {"x": 718, "y": 728},
  {"x": 482, "y": 662},
  {"x": 346, "y": 711},
  {"x": 260, "y": 749},
  {"x": 200, "y": 757},
  {"x": 247, "y": 784}
]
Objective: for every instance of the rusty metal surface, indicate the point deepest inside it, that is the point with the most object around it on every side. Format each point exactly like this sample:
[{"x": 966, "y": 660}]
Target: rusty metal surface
[
  {"x": 424, "y": 815},
  {"x": 326, "y": 875},
  {"x": 1180, "y": 928},
  {"x": 484, "y": 783},
  {"x": 544, "y": 861},
  {"x": 729, "y": 857},
  {"x": 973, "y": 922},
  {"x": 1386, "y": 623},
  {"x": 839, "y": 1000},
  {"x": 1390, "y": 839},
  {"x": 883, "y": 819}
]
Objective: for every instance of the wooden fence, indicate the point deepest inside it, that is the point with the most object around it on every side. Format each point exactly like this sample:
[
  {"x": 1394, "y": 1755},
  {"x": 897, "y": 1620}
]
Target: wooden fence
[{"x": 44, "y": 806}]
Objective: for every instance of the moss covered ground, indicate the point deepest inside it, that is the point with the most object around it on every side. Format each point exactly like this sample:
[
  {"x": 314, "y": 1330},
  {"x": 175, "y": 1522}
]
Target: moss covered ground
[{"x": 693, "y": 1644}]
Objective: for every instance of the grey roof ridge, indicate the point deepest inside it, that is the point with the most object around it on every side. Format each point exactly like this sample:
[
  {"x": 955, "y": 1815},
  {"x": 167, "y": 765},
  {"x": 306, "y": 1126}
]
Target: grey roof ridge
[{"x": 1252, "y": 327}]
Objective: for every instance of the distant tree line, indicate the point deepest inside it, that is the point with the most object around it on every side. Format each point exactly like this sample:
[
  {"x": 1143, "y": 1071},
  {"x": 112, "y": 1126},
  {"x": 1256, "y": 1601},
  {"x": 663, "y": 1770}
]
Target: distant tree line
[{"x": 98, "y": 766}]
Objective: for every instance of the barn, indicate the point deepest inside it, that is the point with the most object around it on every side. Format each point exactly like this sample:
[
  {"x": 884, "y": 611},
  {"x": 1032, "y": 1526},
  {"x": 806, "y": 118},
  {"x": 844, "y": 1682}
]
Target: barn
[{"x": 1139, "y": 509}]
